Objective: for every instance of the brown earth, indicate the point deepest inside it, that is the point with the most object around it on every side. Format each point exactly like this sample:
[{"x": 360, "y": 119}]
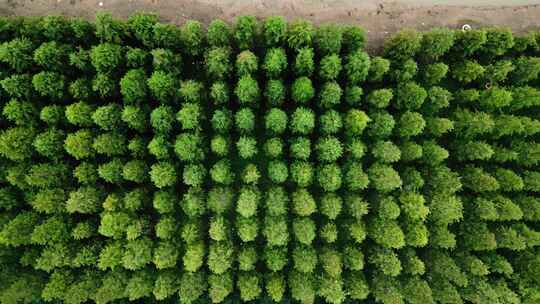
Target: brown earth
[{"x": 379, "y": 18}]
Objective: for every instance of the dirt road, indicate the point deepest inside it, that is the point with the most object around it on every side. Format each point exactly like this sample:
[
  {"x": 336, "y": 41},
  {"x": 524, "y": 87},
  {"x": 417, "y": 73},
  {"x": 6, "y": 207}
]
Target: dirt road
[{"x": 379, "y": 18}]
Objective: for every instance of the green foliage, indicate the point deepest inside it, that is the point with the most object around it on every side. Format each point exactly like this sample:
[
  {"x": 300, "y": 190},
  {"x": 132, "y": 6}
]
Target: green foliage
[
  {"x": 218, "y": 33},
  {"x": 17, "y": 54},
  {"x": 302, "y": 90},
  {"x": 304, "y": 62},
  {"x": 330, "y": 67},
  {"x": 403, "y": 45},
  {"x": 133, "y": 86},
  {"x": 49, "y": 84},
  {"x": 106, "y": 57},
  {"x": 300, "y": 33},
  {"x": 437, "y": 42},
  {"x": 278, "y": 161},
  {"x": 245, "y": 32},
  {"x": 247, "y": 90},
  {"x": 191, "y": 37},
  {"x": 275, "y": 62},
  {"x": 328, "y": 39},
  {"x": 302, "y": 121},
  {"x": 163, "y": 174}
]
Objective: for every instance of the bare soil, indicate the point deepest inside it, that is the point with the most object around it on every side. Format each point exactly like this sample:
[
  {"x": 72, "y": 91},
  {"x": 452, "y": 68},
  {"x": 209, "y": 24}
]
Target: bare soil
[{"x": 379, "y": 18}]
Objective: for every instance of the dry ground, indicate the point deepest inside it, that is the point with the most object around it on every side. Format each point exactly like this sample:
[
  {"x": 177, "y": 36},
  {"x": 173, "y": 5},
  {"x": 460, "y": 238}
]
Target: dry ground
[{"x": 379, "y": 18}]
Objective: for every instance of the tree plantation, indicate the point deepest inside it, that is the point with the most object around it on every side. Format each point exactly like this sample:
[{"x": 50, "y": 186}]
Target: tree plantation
[{"x": 266, "y": 161}]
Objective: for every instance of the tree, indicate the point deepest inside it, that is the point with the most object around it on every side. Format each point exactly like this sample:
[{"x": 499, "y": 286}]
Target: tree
[
  {"x": 163, "y": 174},
  {"x": 300, "y": 33},
  {"x": 437, "y": 42},
  {"x": 17, "y": 54},
  {"x": 411, "y": 124},
  {"x": 275, "y": 286},
  {"x": 273, "y": 147},
  {"x": 109, "y": 29},
  {"x": 275, "y": 230},
  {"x": 111, "y": 171},
  {"x": 275, "y": 62},
  {"x": 330, "y": 122},
  {"x": 190, "y": 116},
  {"x": 434, "y": 73},
  {"x": 85, "y": 200},
  {"x": 304, "y": 230},
  {"x": 303, "y": 202},
  {"x": 354, "y": 38},
  {"x": 105, "y": 85},
  {"x": 498, "y": 41},
  {"x": 247, "y": 90},
  {"x": 191, "y": 91},
  {"x": 357, "y": 67},
  {"x": 137, "y": 253},
  {"x": 304, "y": 62},
  {"x": 355, "y": 122},
  {"x": 330, "y": 67},
  {"x": 378, "y": 68},
  {"x": 403, "y": 45},
  {"x": 483, "y": 181},
  {"x": 160, "y": 147},
  {"x": 110, "y": 144},
  {"x": 18, "y": 230},
  {"x": 49, "y": 84},
  {"x": 381, "y": 124},
  {"x": 274, "y": 30},
  {"x": 276, "y": 201},
  {"x": 218, "y": 33},
  {"x": 386, "y": 232},
  {"x": 410, "y": 96},
  {"x": 405, "y": 72},
  {"x": 133, "y": 86},
  {"x": 220, "y": 286},
  {"x": 188, "y": 147},
  {"x": 217, "y": 61},
  {"x": 386, "y": 152},
  {"x": 330, "y": 95},
  {"x": 302, "y": 121},
  {"x": 329, "y": 149},
  {"x": 353, "y": 95},
  {"x": 221, "y": 172},
  {"x": 328, "y": 39},
  {"x": 329, "y": 177},
  {"x": 300, "y": 148},
  {"x": 52, "y": 55},
  {"x": 220, "y": 257},
  {"x": 247, "y": 147},
  {"x": 162, "y": 85},
  {"x": 192, "y": 37},
  {"x": 467, "y": 71},
  {"x": 108, "y": 117},
  {"x": 302, "y": 90},
  {"x": 79, "y": 144},
  {"x": 277, "y": 171},
  {"x": 249, "y": 285},
  {"x": 245, "y": 32},
  {"x": 526, "y": 69},
  {"x": 383, "y": 178},
  {"x": 305, "y": 259},
  {"x": 18, "y": 86},
  {"x": 380, "y": 98},
  {"x": 106, "y": 57},
  {"x": 166, "y": 60},
  {"x": 192, "y": 286},
  {"x": 355, "y": 177}
]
